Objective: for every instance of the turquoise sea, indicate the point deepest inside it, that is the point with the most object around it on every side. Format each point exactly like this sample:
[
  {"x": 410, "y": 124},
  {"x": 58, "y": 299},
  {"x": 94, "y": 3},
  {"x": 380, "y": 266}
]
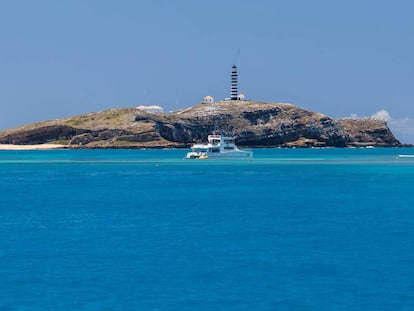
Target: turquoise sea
[{"x": 292, "y": 229}]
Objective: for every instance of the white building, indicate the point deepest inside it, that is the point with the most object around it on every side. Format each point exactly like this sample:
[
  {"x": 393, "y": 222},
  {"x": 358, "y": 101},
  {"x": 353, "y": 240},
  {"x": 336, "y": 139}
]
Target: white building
[
  {"x": 208, "y": 100},
  {"x": 151, "y": 109},
  {"x": 241, "y": 96}
]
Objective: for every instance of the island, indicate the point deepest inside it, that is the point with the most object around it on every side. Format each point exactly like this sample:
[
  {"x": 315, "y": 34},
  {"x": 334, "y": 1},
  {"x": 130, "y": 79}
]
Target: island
[{"x": 251, "y": 123}]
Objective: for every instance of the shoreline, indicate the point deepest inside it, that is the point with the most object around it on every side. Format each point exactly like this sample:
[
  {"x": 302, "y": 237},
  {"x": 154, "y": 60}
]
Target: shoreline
[
  {"x": 11, "y": 147},
  {"x": 32, "y": 147}
]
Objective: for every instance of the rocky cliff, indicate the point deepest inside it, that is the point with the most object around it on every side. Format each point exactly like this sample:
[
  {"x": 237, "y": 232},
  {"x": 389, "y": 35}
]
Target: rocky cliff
[{"x": 254, "y": 124}]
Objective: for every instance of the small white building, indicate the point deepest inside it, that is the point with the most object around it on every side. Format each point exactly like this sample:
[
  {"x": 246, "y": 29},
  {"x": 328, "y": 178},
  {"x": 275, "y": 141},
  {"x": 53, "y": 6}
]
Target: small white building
[
  {"x": 151, "y": 109},
  {"x": 241, "y": 96},
  {"x": 208, "y": 100}
]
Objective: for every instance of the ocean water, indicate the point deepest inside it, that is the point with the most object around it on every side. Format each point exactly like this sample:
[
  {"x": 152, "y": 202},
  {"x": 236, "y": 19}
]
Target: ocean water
[{"x": 292, "y": 229}]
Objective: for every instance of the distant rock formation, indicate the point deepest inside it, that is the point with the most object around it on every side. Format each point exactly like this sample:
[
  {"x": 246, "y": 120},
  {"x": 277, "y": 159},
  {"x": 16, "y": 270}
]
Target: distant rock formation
[{"x": 253, "y": 124}]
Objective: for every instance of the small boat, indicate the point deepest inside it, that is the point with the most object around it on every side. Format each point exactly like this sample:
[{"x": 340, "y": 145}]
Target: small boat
[
  {"x": 218, "y": 147},
  {"x": 401, "y": 156}
]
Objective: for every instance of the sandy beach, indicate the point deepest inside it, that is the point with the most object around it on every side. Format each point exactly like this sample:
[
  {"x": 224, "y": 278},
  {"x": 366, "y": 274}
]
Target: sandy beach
[{"x": 31, "y": 147}]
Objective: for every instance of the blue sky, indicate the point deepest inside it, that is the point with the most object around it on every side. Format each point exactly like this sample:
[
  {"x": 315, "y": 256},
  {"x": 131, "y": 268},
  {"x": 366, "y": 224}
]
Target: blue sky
[{"x": 342, "y": 58}]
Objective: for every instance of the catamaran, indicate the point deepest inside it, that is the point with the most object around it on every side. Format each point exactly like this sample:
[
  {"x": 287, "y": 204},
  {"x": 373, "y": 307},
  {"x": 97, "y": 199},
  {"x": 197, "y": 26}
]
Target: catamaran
[{"x": 218, "y": 147}]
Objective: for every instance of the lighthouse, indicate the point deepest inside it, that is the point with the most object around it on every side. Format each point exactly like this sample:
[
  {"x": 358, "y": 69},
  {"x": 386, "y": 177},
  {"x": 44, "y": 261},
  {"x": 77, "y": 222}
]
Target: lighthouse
[{"x": 233, "y": 92}]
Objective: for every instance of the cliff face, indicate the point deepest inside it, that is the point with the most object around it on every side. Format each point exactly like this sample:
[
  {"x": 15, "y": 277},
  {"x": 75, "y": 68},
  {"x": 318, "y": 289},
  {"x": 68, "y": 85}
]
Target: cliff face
[{"x": 253, "y": 124}]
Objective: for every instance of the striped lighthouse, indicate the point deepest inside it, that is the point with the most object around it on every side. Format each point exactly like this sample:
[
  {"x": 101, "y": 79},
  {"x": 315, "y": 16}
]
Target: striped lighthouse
[{"x": 233, "y": 92}]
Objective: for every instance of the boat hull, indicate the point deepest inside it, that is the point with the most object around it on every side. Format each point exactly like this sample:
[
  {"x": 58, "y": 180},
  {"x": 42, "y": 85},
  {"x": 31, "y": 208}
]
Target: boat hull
[{"x": 220, "y": 155}]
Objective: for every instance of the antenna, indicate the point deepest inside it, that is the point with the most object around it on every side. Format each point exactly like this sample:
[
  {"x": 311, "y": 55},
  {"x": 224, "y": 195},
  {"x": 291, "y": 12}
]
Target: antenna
[
  {"x": 238, "y": 57},
  {"x": 238, "y": 64},
  {"x": 176, "y": 99},
  {"x": 146, "y": 96}
]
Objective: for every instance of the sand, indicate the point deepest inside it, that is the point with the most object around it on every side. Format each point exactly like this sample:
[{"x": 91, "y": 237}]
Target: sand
[{"x": 31, "y": 147}]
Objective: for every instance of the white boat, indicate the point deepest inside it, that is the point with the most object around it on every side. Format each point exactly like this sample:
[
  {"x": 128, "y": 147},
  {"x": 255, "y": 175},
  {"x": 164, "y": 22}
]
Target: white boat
[
  {"x": 218, "y": 147},
  {"x": 405, "y": 156}
]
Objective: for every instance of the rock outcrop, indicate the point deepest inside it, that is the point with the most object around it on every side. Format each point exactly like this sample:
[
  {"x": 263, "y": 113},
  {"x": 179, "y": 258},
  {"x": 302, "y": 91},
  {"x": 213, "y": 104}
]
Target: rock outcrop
[{"x": 254, "y": 124}]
